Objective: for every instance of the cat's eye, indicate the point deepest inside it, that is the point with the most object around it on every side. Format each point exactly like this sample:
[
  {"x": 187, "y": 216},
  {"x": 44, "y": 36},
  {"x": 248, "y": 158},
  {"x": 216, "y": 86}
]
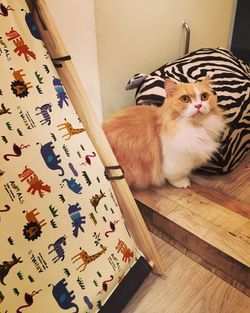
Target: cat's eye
[
  {"x": 185, "y": 98},
  {"x": 204, "y": 96}
]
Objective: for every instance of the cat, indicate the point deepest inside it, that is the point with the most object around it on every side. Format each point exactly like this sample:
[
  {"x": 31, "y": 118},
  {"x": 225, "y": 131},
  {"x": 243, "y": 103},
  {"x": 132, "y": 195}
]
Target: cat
[{"x": 154, "y": 144}]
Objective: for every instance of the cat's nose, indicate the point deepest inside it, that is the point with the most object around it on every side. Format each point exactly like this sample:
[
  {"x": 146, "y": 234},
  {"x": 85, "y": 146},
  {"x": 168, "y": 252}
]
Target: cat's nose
[{"x": 198, "y": 106}]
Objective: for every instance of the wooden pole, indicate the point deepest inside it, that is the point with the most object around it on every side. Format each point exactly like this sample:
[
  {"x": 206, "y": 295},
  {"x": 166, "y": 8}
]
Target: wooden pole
[{"x": 90, "y": 121}]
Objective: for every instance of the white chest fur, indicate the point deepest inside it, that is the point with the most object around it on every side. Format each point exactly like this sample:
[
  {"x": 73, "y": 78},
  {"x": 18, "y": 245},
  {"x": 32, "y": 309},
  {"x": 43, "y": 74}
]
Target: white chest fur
[{"x": 189, "y": 146}]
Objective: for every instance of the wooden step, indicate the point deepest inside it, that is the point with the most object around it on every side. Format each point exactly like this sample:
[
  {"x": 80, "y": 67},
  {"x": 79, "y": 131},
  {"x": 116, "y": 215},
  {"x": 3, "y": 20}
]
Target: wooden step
[{"x": 207, "y": 226}]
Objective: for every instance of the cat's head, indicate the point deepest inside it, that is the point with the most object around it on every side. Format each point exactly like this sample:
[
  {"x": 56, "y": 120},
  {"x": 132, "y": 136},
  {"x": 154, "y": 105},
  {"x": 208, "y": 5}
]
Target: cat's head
[{"x": 190, "y": 100}]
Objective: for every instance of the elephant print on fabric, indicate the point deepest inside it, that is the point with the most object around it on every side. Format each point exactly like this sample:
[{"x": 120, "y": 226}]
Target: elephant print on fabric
[
  {"x": 50, "y": 158},
  {"x": 63, "y": 297},
  {"x": 31, "y": 25},
  {"x": 73, "y": 185}
]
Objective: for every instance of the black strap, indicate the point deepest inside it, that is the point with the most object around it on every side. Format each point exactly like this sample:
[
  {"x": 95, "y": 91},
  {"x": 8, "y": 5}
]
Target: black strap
[{"x": 57, "y": 61}]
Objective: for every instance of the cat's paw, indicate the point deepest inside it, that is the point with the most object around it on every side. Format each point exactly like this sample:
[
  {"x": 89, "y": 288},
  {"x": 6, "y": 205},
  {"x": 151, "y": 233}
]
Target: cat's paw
[{"x": 180, "y": 183}]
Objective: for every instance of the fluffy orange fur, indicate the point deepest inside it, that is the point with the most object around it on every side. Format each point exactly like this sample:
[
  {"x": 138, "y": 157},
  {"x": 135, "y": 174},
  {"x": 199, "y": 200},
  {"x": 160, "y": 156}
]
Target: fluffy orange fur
[
  {"x": 146, "y": 139},
  {"x": 134, "y": 137}
]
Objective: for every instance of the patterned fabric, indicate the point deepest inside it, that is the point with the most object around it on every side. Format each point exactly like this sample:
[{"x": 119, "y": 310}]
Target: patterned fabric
[
  {"x": 231, "y": 83},
  {"x": 64, "y": 244}
]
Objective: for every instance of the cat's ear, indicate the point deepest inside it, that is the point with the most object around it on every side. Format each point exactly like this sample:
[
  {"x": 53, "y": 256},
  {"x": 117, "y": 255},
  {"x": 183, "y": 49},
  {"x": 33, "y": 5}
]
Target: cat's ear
[
  {"x": 207, "y": 81},
  {"x": 170, "y": 87}
]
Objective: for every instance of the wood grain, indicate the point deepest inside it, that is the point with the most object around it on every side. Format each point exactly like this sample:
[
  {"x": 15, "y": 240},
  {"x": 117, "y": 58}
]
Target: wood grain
[
  {"x": 186, "y": 287},
  {"x": 234, "y": 186},
  {"x": 207, "y": 220},
  {"x": 223, "y": 199},
  {"x": 218, "y": 236}
]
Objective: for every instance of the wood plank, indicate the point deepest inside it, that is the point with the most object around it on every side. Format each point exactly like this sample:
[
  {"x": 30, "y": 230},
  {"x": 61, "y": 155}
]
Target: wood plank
[
  {"x": 206, "y": 208},
  {"x": 186, "y": 287},
  {"x": 207, "y": 220},
  {"x": 235, "y": 185},
  {"x": 218, "y": 236},
  {"x": 224, "y": 266},
  {"x": 218, "y": 197}
]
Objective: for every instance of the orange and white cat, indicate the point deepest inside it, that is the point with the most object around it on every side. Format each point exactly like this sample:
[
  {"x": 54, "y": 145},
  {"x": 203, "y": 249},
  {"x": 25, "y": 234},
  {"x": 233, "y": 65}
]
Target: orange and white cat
[{"x": 154, "y": 144}]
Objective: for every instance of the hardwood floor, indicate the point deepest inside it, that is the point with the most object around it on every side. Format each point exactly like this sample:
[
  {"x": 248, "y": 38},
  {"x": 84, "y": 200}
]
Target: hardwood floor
[
  {"x": 235, "y": 185},
  {"x": 186, "y": 287},
  {"x": 210, "y": 221}
]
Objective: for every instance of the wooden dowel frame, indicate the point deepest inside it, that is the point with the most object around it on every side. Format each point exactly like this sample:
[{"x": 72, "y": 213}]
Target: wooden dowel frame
[{"x": 86, "y": 113}]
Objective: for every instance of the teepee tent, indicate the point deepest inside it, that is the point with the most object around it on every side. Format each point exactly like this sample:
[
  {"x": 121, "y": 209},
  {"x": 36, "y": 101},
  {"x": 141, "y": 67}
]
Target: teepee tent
[{"x": 72, "y": 236}]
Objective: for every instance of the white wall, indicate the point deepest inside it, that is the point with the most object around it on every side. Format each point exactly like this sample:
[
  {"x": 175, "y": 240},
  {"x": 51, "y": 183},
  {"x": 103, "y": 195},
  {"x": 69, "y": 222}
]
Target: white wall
[
  {"x": 76, "y": 23},
  {"x": 141, "y": 35},
  {"x": 133, "y": 36}
]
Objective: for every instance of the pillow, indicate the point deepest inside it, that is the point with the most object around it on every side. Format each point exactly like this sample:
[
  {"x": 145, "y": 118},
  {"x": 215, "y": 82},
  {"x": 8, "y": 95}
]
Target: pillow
[{"x": 230, "y": 77}]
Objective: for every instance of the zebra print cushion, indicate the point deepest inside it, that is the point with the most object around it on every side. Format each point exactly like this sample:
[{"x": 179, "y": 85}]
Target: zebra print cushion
[{"x": 231, "y": 83}]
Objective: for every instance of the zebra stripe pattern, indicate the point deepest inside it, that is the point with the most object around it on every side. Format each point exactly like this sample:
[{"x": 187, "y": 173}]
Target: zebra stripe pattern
[{"x": 230, "y": 77}]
